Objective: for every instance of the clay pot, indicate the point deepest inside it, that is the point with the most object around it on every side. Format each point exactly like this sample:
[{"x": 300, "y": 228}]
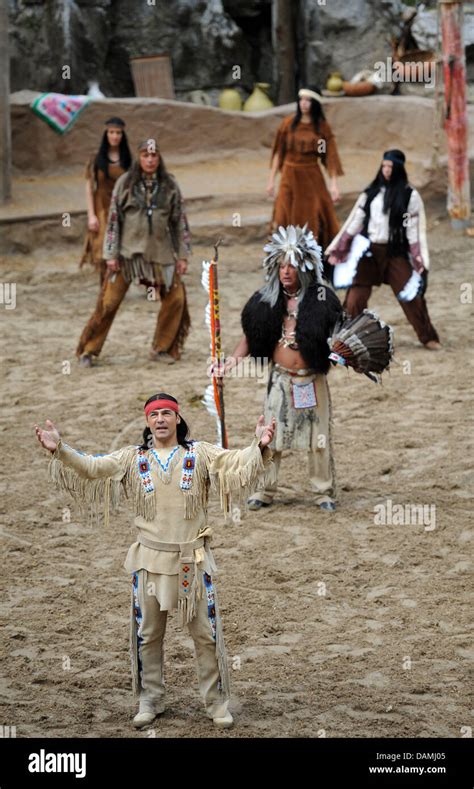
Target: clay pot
[
  {"x": 362, "y": 88},
  {"x": 258, "y": 100},
  {"x": 230, "y": 99},
  {"x": 334, "y": 83}
]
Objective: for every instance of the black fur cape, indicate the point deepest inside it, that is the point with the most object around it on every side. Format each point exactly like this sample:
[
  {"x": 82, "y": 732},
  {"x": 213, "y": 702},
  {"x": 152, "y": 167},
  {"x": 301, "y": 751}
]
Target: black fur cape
[{"x": 317, "y": 316}]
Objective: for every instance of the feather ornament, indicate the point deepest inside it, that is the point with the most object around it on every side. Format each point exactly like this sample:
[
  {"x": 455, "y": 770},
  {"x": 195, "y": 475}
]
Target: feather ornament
[{"x": 364, "y": 343}]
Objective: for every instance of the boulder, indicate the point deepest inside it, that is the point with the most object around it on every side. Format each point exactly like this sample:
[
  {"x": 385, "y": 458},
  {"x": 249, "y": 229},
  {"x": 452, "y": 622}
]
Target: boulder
[{"x": 347, "y": 37}]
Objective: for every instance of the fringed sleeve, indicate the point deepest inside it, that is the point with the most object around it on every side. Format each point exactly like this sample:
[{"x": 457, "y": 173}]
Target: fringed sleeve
[
  {"x": 416, "y": 228},
  {"x": 93, "y": 481},
  {"x": 280, "y": 143},
  {"x": 178, "y": 224},
  {"x": 235, "y": 473},
  {"x": 112, "y": 231},
  {"x": 331, "y": 159},
  {"x": 353, "y": 224}
]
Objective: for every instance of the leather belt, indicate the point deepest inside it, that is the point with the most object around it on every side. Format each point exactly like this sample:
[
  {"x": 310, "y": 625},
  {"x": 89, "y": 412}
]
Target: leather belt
[
  {"x": 174, "y": 547},
  {"x": 303, "y": 372}
]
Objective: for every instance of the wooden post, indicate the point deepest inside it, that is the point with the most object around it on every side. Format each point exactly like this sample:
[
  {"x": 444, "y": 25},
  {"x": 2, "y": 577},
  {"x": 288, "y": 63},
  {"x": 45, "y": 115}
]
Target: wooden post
[
  {"x": 455, "y": 111},
  {"x": 5, "y": 136},
  {"x": 283, "y": 40}
]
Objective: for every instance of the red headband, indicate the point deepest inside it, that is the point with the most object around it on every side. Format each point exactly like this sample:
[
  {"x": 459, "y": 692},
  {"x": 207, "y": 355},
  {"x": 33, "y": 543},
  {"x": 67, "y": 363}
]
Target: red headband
[{"x": 156, "y": 404}]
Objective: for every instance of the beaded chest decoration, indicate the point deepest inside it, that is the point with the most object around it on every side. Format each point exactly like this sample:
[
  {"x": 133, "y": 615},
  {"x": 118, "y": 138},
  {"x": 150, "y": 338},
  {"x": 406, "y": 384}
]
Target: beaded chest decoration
[
  {"x": 164, "y": 466},
  {"x": 144, "y": 471},
  {"x": 164, "y": 469},
  {"x": 189, "y": 464}
]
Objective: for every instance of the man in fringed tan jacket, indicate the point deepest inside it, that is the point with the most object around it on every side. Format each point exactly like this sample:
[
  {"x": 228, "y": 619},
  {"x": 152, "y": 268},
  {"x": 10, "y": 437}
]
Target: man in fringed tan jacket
[{"x": 168, "y": 479}]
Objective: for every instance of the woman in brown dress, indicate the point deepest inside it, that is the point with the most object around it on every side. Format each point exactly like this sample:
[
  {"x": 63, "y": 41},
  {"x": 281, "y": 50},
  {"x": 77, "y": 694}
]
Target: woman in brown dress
[
  {"x": 303, "y": 197},
  {"x": 112, "y": 160}
]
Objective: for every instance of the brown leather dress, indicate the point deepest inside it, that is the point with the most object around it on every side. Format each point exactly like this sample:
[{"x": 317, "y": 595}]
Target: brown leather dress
[
  {"x": 104, "y": 186},
  {"x": 303, "y": 196}
]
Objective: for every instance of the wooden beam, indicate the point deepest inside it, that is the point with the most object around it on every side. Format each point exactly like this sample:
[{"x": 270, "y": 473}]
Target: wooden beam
[
  {"x": 283, "y": 41},
  {"x": 5, "y": 135},
  {"x": 455, "y": 111}
]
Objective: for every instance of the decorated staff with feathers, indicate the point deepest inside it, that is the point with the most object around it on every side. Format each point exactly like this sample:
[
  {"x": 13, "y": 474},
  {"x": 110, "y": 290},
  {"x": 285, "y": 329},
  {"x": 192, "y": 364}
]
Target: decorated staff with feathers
[{"x": 289, "y": 322}]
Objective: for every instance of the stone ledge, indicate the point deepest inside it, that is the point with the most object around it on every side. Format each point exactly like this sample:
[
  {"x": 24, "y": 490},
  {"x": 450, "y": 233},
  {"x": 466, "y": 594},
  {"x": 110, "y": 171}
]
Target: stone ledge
[{"x": 190, "y": 130}]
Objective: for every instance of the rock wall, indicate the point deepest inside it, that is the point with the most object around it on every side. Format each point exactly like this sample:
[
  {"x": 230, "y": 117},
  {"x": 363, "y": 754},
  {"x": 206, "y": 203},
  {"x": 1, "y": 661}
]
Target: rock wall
[
  {"x": 205, "y": 38},
  {"x": 96, "y": 38},
  {"x": 343, "y": 36},
  {"x": 425, "y": 30}
]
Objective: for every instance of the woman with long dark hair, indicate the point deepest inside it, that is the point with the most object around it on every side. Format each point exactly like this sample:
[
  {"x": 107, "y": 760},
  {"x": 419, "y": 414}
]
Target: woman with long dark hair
[
  {"x": 390, "y": 217},
  {"x": 103, "y": 168},
  {"x": 302, "y": 141}
]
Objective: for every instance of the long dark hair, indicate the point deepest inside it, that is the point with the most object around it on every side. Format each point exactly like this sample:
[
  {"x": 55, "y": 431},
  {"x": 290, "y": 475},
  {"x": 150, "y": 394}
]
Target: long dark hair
[
  {"x": 395, "y": 201},
  {"x": 134, "y": 174},
  {"x": 102, "y": 158},
  {"x": 316, "y": 111},
  {"x": 182, "y": 429}
]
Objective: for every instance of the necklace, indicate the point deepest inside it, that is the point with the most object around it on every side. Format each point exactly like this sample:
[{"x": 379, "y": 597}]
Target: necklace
[
  {"x": 165, "y": 469},
  {"x": 288, "y": 339},
  {"x": 292, "y": 295},
  {"x": 288, "y": 336},
  {"x": 292, "y": 313},
  {"x": 150, "y": 187}
]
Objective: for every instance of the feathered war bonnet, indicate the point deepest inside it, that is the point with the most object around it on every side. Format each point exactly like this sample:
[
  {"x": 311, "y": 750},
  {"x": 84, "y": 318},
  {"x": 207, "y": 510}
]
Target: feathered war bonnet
[{"x": 297, "y": 246}]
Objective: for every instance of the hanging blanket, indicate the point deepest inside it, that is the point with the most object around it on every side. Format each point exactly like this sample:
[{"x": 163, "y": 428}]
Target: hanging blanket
[{"x": 58, "y": 110}]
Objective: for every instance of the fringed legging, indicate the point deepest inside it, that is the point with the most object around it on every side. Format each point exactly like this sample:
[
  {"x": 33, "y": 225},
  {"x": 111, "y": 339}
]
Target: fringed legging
[
  {"x": 172, "y": 325},
  {"x": 148, "y": 631}
]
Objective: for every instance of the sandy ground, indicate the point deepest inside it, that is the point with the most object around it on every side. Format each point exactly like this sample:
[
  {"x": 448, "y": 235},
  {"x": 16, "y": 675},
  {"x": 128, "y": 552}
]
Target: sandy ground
[
  {"x": 212, "y": 181},
  {"x": 335, "y": 626}
]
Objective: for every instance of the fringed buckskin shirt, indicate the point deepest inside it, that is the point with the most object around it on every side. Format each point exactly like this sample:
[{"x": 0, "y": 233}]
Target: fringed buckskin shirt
[
  {"x": 143, "y": 253},
  {"x": 169, "y": 507}
]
